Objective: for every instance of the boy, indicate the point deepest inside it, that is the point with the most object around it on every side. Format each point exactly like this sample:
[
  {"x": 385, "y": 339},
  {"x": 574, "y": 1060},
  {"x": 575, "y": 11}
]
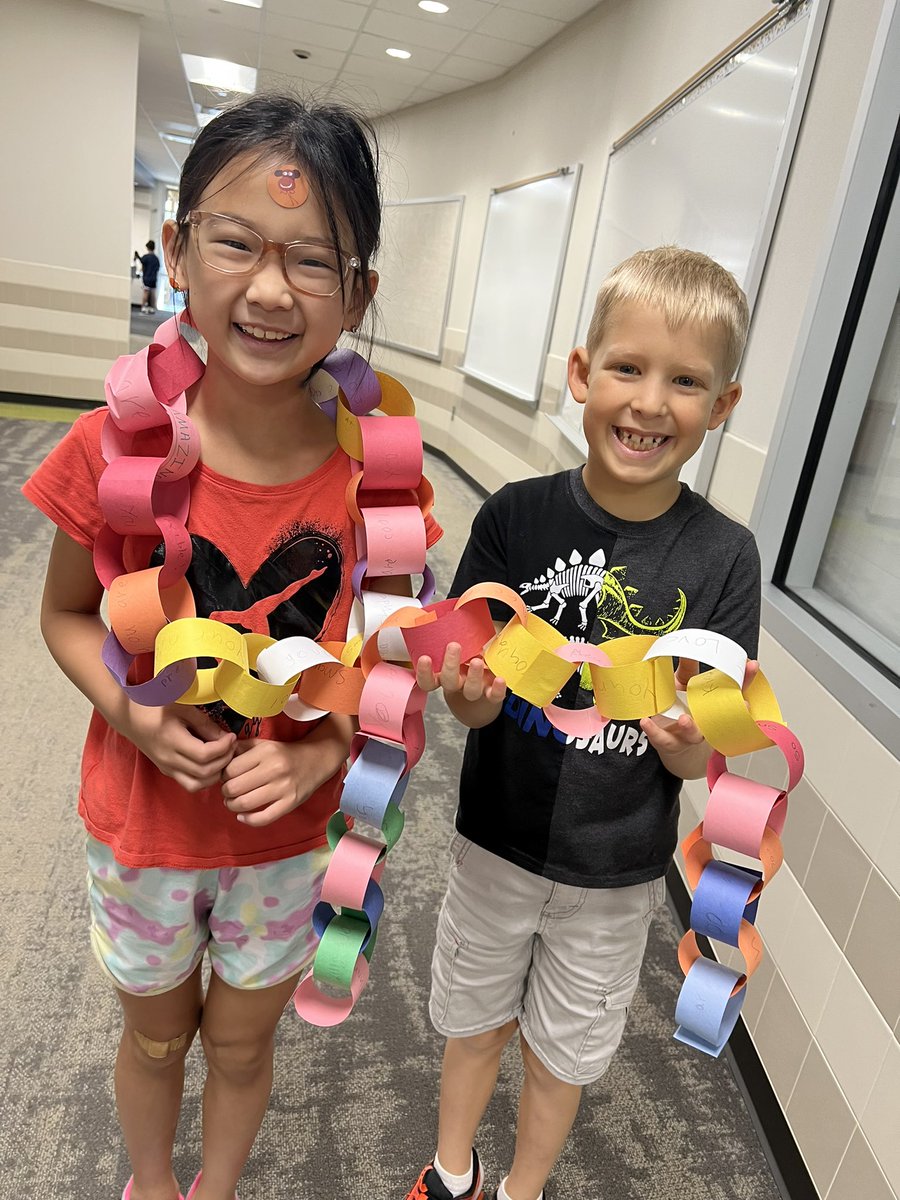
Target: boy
[
  {"x": 149, "y": 273},
  {"x": 562, "y": 844}
]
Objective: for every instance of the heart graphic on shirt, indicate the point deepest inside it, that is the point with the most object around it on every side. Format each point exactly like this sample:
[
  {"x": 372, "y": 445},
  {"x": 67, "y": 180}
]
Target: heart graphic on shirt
[{"x": 291, "y": 593}]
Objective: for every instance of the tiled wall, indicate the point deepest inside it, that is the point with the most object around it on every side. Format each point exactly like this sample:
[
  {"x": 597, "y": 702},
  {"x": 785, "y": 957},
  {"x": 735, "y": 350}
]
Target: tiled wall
[
  {"x": 60, "y": 329},
  {"x": 824, "y": 1008}
]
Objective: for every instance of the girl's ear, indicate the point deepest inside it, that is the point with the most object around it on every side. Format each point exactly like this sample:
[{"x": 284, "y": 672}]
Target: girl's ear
[
  {"x": 356, "y": 305},
  {"x": 175, "y": 260},
  {"x": 579, "y": 369}
]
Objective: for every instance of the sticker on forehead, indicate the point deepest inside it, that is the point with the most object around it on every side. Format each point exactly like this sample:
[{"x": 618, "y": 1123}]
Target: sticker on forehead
[{"x": 287, "y": 186}]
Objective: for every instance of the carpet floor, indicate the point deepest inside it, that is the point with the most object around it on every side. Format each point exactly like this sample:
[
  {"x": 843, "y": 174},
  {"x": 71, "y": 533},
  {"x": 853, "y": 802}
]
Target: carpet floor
[{"x": 353, "y": 1111}]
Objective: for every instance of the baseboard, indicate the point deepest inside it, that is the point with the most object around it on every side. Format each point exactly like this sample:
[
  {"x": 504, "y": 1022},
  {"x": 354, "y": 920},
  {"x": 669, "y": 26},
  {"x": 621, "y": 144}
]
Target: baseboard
[
  {"x": 49, "y": 401},
  {"x": 788, "y": 1167}
]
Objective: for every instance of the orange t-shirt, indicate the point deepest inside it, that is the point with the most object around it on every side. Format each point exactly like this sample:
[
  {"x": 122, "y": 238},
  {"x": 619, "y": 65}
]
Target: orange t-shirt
[{"x": 252, "y": 547}]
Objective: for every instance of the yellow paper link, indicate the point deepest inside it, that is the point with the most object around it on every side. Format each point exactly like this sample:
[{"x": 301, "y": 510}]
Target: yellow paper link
[
  {"x": 351, "y": 650},
  {"x": 395, "y": 402},
  {"x": 244, "y": 693},
  {"x": 231, "y": 681},
  {"x": 632, "y": 687},
  {"x": 727, "y": 716},
  {"x": 523, "y": 656}
]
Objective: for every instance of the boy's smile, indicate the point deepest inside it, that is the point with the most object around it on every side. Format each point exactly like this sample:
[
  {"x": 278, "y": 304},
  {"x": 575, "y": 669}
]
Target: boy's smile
[{"x": 650, "y": 394}]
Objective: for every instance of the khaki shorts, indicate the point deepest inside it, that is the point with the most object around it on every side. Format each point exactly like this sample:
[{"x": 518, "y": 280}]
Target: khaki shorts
[{"x": 564, "y": 961}]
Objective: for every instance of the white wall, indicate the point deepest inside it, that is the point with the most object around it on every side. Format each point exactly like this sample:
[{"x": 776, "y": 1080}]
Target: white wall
[{"x": 66, "y": 209}]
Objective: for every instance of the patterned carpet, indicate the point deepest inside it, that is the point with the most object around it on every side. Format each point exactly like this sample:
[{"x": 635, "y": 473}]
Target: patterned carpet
[{"x": 354, "y": 1108}]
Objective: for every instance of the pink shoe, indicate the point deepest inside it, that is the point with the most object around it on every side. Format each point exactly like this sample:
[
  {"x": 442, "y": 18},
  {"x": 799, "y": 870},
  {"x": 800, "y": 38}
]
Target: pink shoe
[
  {"x": 126, "y": 1195},
  {"x": 193, "y": 1190}
]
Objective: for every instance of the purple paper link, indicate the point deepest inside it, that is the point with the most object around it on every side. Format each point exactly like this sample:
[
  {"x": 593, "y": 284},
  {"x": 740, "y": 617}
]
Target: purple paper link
[
  {"x": 323, "y": 915},
  {"x": 372, "y": 781},
  {"x": 373, "y": 907},
  {"x": 706, "y": 1011},
  {"x": 329, "y": 408},
  {"x": 752, "y": 909},
  {"x": 167, "y": 687},
  {"x": 359, "y": 572},
  {"x": 358, "y": 381},
  {"x": 720, "y": 900},
  {"x": 426, "y": 591}
]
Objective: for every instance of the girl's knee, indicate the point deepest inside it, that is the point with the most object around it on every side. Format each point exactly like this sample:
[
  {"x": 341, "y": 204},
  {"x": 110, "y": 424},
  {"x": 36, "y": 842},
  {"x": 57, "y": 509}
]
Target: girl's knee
[
  {"x": 154, "y": 1052},
  {"x": 239, "y": 1058}
]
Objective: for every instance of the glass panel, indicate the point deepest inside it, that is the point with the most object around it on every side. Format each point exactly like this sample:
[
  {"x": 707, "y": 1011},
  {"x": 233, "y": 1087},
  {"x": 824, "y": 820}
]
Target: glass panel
[{"x": 860, "y": 565}]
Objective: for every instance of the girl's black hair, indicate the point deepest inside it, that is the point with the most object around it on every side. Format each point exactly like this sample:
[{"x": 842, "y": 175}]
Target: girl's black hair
[{"x": 335, "y": 146}]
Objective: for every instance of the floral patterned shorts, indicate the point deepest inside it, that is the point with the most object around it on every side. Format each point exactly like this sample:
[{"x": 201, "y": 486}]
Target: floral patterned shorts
[{"x": 150, "y": 926}]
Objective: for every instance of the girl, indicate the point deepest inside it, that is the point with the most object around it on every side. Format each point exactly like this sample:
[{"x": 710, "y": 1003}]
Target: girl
[{"x": 206, "y": 832}]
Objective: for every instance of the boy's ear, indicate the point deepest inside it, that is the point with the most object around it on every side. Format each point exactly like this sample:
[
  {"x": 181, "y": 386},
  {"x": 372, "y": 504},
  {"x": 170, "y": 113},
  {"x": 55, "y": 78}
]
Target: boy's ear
[
  {"x": 578, "y": 371},
  {"x": 724, "y": 405},
  {"x": 172, "y": 254},
  {"x": 355, "y": 308}
]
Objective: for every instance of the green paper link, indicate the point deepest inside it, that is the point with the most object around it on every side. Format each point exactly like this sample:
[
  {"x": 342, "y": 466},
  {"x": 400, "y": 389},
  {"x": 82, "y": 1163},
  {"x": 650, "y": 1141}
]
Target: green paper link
[
  {"x": 339, "y": 949},
  {"x": 391, "y": 828}
]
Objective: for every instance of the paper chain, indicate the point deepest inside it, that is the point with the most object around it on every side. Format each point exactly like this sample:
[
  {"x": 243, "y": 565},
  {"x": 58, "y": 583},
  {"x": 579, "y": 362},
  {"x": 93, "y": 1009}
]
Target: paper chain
[{"x": 144, "y": 498}]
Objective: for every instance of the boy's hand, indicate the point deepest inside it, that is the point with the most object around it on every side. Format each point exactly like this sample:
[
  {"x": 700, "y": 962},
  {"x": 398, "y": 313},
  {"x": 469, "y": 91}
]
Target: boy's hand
[
  {"x": 679, "y": 743},
  {"x": 183, "y": 742},
  {"x": 473, "y": 694}
]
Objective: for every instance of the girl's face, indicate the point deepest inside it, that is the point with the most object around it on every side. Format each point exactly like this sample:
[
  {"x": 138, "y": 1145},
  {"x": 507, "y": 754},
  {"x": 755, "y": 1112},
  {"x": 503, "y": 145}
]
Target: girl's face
[{"x": 258, "y": 328}]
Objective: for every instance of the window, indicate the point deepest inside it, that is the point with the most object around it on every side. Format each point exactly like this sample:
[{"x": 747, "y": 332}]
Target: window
[{"x": 828, "y": 513}]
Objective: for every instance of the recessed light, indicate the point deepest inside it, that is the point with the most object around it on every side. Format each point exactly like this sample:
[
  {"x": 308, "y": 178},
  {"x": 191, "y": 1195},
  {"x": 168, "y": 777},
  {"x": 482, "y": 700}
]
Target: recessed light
[
  {"x": 434, "y": 6},
  {"x": 300, "y": 53},
  {"x": 395, "y": 53},
  {"x": 247, "y": 3},
  {"x": 218, "y": 73}
]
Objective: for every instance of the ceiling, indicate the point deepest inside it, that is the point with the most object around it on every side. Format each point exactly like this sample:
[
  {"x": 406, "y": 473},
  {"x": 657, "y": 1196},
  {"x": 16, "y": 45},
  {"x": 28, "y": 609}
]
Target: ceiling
[{"x": 346, "y": 41}]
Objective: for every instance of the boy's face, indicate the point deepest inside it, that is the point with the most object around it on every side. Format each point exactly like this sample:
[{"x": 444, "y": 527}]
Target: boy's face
[{"x": 650, "y": 394}]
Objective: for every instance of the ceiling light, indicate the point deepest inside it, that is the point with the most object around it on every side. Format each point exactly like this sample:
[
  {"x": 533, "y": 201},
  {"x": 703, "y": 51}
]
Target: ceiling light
[
  {"x": 177, "y": 137},
  {"x": 247, "y": 3},
  {"x": 434, "y": 6},
  {"x": 219, "y": 73},
  {"x": 395, "y": 53}
]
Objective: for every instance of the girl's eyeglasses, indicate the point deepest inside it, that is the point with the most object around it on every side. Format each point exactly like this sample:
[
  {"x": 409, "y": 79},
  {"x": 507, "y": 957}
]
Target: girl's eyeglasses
[{"x": 230, "y": 246}]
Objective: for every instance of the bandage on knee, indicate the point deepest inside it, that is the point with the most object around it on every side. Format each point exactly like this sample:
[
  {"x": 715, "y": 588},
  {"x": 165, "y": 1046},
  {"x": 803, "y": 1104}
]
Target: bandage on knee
[{"x": 159, "y": 1049}]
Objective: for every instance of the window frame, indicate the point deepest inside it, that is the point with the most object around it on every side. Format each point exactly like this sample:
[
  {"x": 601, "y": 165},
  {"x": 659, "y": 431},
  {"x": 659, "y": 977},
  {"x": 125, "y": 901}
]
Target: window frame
[{"x": 850, "y": 265}]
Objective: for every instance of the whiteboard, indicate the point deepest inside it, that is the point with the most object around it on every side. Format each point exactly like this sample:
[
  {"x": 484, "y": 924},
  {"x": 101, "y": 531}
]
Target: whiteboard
[
  {"x": 415, "y": 267},
  {"x": 707, "y": 173},
  {"x": 517, "y": 286}
]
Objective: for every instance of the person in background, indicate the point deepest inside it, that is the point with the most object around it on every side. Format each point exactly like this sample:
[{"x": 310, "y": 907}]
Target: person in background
[{"x": 149, "y": 274}]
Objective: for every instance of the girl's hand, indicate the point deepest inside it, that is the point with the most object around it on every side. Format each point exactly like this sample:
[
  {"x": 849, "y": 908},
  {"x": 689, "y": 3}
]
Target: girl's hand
[
  {"x": 473, "y": 694},
  {"x": 184, "y": 742},
  {"x": 265, "y": 780}
]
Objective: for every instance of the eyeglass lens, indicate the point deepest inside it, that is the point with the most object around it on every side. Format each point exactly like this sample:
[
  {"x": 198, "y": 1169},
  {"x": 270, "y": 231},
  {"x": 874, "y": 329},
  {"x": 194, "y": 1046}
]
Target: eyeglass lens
[{"x": 235, "y": 248}]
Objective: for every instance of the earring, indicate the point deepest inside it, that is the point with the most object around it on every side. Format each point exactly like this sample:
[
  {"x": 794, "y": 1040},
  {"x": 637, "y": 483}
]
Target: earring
[
  {"x": 354, "y": 329},
  {"x": 173, "y": 284}
]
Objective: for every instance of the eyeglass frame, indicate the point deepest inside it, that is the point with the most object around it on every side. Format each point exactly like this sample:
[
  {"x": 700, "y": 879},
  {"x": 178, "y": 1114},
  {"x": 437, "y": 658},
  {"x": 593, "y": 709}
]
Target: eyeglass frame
[{"x": 351, "y": 261}]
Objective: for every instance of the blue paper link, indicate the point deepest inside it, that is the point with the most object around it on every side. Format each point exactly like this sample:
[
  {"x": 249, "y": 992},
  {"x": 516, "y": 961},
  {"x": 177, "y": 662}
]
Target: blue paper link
[
  {"x": 373, "y": 907},
  {"x": 720, "y": 901},
  {"x": 706, "y": 1010},
  {"x": 374, "y": 780}
]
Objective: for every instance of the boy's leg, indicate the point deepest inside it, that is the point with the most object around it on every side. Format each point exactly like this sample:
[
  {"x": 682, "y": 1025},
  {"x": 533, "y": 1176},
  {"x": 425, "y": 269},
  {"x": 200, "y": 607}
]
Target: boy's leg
[
  {"x": 468, "y": 1079},
  {"x": 238, "y": 1035},
  {"x": 149, "y": 1081},
  {"x": 547, "y": 1109}
]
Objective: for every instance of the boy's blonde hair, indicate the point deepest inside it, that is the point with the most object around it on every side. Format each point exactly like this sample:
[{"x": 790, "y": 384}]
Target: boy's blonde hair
[{"x": 686, "y": 287}]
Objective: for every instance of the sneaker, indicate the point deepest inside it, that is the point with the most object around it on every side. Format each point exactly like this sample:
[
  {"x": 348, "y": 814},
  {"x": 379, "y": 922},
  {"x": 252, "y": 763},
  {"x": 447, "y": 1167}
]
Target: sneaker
[{"x": 430, "y": 1186}]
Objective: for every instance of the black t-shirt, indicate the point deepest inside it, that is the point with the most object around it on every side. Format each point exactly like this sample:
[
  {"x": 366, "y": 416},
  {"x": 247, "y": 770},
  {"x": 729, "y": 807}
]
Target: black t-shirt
[
  {"x": 600, "y": 811},
  {"x": 149, "y": 269}
]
